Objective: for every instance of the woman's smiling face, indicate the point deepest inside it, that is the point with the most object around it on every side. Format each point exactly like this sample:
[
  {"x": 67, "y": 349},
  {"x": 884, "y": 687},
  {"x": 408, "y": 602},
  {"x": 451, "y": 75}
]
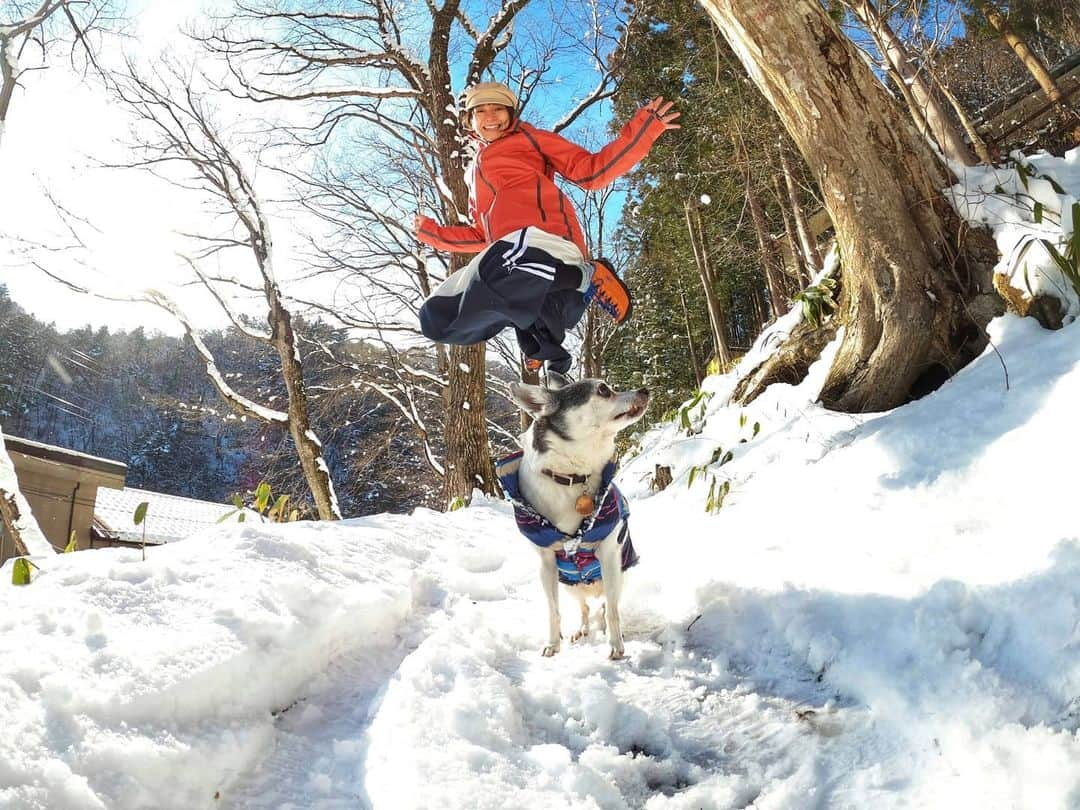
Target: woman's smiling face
[{"x": 490, "y": 121}]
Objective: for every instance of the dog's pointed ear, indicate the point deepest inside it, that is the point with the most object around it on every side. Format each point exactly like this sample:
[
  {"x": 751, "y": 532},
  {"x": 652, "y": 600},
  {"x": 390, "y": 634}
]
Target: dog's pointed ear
[
  {"x": 533, "y": 399},
  {"x": 554, "y": 381}
]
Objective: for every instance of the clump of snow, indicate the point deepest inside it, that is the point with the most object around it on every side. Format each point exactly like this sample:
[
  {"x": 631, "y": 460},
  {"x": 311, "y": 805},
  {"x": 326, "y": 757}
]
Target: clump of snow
[{"x": 1025, "y": 203}]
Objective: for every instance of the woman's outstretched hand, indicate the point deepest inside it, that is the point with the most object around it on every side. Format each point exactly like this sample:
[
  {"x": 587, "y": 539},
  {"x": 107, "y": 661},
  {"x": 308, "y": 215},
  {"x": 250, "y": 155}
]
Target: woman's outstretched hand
[{"x": 662, "y": 110}]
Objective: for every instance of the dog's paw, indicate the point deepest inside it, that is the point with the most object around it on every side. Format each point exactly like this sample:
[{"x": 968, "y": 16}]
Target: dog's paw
[
  {"x": 616, "y": 654},
  {"x": 579, "y": 635},
  {"x": 549, "y": 650}
]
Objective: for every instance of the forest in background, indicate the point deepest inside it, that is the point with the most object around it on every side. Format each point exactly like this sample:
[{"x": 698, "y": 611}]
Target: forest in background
[{"x": 145, "y": 400}]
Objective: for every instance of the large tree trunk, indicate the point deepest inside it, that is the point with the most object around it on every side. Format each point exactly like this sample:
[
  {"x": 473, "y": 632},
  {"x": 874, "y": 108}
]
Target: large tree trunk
[
  {"x": 925, "y": 101},
  {"x": 905, "y": 324},
  {"x": 468, "y": 464},
  {"x": 7, "y": 80},
  {"x": 468, "y": 456}
]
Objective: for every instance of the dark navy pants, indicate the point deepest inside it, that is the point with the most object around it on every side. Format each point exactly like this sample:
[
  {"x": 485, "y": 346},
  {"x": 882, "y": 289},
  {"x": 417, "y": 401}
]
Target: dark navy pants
[{"x": 509, "y": 285}]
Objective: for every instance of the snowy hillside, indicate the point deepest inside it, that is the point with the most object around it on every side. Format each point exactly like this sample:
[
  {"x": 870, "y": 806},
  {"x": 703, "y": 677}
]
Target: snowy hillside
[{"x": 884, "y": 613}]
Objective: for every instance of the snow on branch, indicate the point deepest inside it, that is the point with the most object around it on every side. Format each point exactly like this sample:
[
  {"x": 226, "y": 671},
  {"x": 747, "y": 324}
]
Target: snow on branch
[
  {"x": 492, "y": 41},
  {"x": 32, "y": 21},
  {"x": 237, "y": 401},
  {"x": 230, "y": 313}
]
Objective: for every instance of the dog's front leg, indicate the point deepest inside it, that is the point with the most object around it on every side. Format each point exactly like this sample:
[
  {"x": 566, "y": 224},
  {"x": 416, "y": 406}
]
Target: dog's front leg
[
  {"x": 609, "y": 553},
  {"x": 549, "y": 578}
]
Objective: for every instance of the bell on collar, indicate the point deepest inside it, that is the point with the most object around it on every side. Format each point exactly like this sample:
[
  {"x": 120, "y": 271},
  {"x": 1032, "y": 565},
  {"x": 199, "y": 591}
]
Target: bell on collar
[{"x": 584, "y": 505}]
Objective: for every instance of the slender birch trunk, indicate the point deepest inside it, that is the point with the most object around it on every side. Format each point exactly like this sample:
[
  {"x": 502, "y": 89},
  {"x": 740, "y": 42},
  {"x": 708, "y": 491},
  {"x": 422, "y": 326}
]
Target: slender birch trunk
[
  {"x": 717, "y": 322},
  {"x": 765, "y": 247},
  {"x": 698, "y": 375},
  {"x": 806, "y": 239},
  {"x": 1026, "y": 56},
  {"x": 977, "y": 141},
  {"x": 798, "y": 275}
]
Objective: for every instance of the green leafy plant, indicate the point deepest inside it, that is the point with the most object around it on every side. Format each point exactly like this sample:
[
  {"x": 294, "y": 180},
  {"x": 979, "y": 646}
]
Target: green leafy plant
[
  {"x": 72, "y": 545},
  {"x": 714, "y": 501},
  {"x": 818, "y": 301},
  {"x": 719, "y": 488},
  {"x": 1025, "y": 171},
  {"x": 1068, "y": 262},
  {"x": 743, "y": 419},
  {"x": 21, "y": 571},
  {"x": 140, "y": 519},
  {"x": 690, "y": 422},
  {"x": 1066, "y": 259},
  {"x": 457, "y": 503},
  {"x": 262, "y": 502}
]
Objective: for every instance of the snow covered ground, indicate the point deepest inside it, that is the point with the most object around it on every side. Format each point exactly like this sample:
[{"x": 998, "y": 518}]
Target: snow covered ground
[{"x": 885, "y": 613}]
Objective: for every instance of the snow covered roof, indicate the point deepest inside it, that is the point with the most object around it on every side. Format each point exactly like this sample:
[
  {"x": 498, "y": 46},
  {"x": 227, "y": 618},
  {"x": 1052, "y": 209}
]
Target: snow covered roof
[
  {"x": 63, "y": 455},
  {"x": 168, "y": 517}
]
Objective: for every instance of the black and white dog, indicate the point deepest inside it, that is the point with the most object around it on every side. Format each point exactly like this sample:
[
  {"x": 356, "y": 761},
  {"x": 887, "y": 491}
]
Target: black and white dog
[{"x": 564, "y": 500}]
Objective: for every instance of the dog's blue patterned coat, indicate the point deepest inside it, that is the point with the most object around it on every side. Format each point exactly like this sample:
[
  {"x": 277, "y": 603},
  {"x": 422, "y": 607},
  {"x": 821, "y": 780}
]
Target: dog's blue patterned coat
[{"x": 581, "y": 566}]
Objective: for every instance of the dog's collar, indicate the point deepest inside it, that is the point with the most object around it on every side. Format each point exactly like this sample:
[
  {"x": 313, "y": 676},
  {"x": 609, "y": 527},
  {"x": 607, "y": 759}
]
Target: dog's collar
[{"x": 565, "y": 480}]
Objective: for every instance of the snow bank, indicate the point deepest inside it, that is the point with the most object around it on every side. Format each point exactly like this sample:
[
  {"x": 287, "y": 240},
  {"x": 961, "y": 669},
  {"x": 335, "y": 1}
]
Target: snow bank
[
  {"x": 1029, "y": 201},
  {"x": 126, "y": 681},
  {"x": 881, "y": 613}
]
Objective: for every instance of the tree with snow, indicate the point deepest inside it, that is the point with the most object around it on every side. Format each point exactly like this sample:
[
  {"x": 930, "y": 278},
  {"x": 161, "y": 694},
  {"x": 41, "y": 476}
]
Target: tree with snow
[
  {"x": 37, "y": 26},
  {"x": 915, "y": 280},
  {"x": 180, "y": 130},
  {"x": 392, "y": 67}
]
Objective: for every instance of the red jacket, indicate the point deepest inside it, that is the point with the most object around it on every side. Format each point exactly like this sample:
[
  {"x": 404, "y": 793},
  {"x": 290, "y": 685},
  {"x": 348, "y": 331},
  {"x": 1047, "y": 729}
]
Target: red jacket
[{"x": 511, "y": 183}]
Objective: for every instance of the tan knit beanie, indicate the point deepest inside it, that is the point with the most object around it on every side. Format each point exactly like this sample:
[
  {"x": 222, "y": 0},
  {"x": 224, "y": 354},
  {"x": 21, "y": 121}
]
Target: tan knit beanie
[{"x": 490, "y": 93}]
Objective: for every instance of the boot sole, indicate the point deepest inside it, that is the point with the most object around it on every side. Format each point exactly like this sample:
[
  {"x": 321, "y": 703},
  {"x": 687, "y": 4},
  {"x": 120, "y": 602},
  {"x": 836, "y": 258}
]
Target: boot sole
[{"x": 625, "y": 289}]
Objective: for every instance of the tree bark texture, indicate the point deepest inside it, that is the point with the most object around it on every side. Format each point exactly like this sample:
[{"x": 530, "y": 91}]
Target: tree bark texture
[
  {"x": 925, "y": 103},
  {"x": 899, "y": 238},
  {"x": 308, "y": 447},
  {"x": 9, "y": 517},
  {"x": 590, "y": 345},
  {"x": 468, "y": 455}
]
